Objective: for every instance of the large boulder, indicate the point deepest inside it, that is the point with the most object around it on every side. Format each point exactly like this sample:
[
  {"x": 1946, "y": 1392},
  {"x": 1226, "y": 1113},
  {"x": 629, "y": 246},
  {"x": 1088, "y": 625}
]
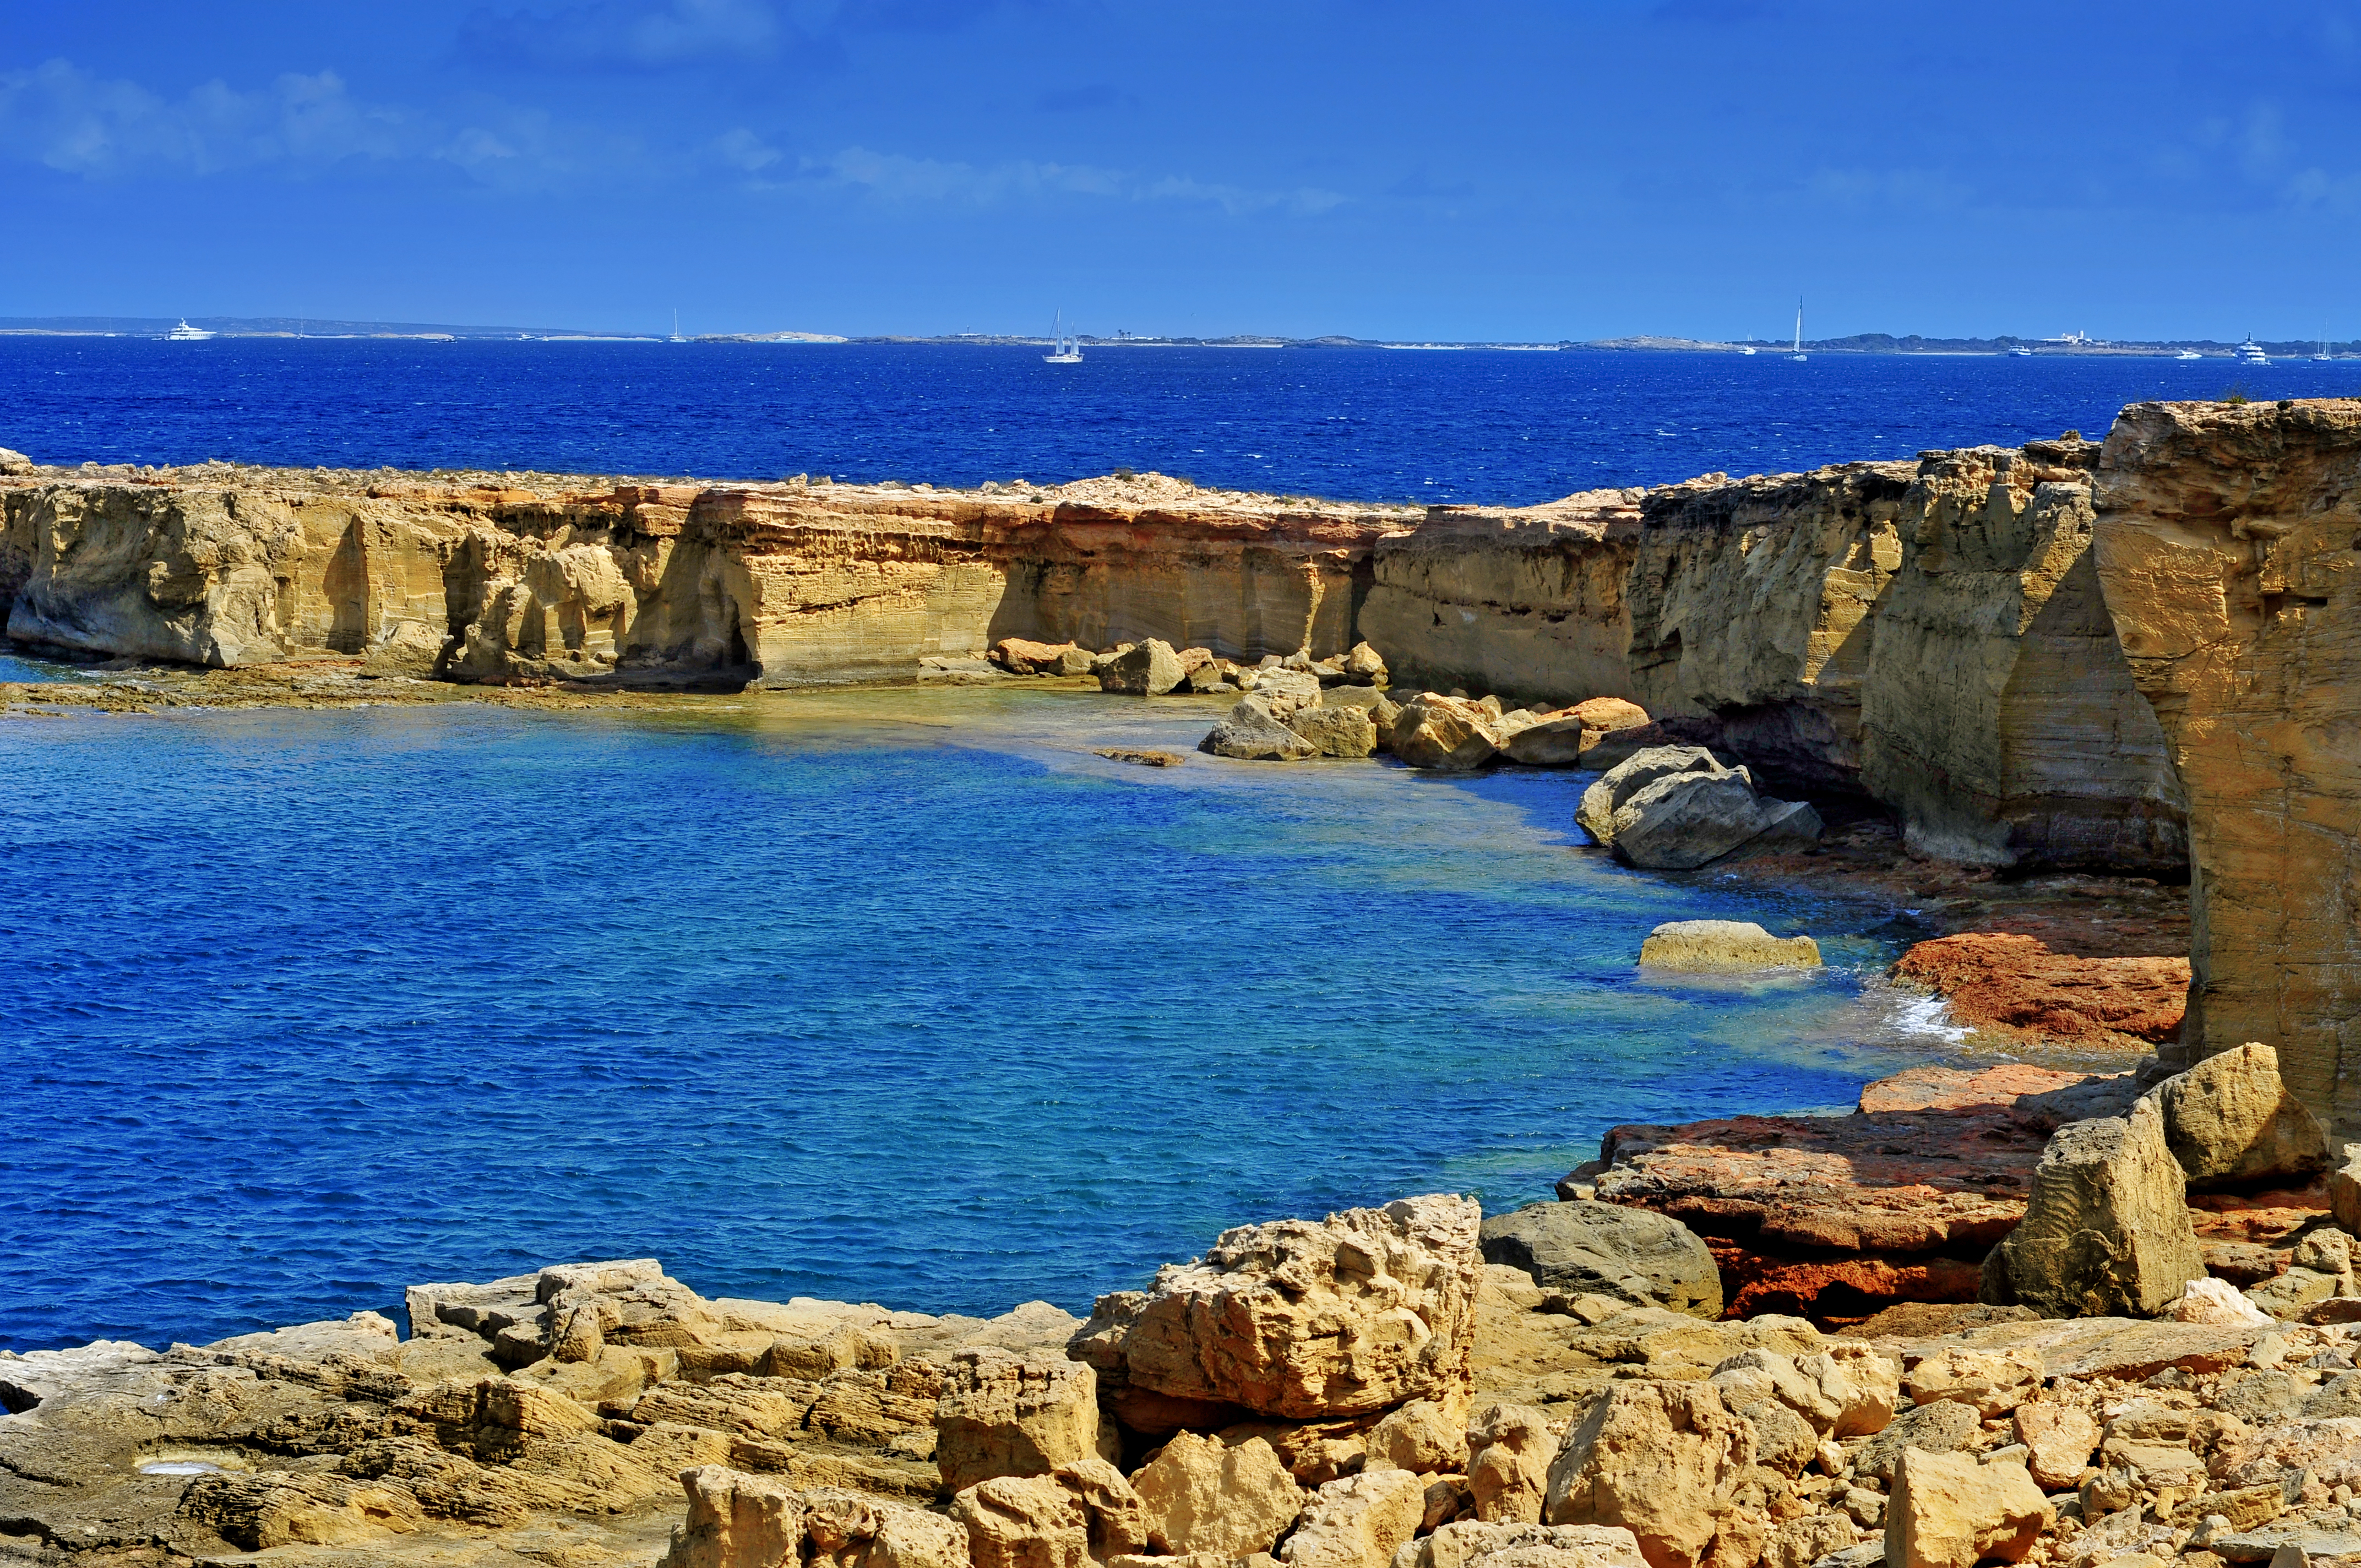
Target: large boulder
[
  {"x": 1362, "y": 666},
  {"x": 1082, "y": 1514},
  {"x": 1995, "y": 1382},
  {"x": 1342, "y": 729},
  {"x": 1676, "y": 807},
  {"x": 1201, "y": 1493},
  {"x": 1000, "y": 1415},
  {"x": 2229, "y": 1121},
  {"x": 14, "y": 463},
  {"x": 1305, "y": 1320},
  {"x": 1358, "y": 1521},
  {"x": 737, "y": 1521},
  {"x": 1019, "y": 656},
  {"x": 1604, "y": 1249},
  {"x": 1148, "y": 669},
  {"x": 2106, "y": 1229},
  {"x": 1448, "y": 734},
  {"x": 1555, "y": 740},
  {"x": 1664, "y": 1460},
  {"x": 2059, "y": 1439},
  {"x": 1947, "y": 1510},
  {"x": 1252, "y": 733},
  {"x": 1711, "y": 947}
]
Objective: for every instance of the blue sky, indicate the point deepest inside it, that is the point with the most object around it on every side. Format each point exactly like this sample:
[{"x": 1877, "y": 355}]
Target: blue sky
[{"x": 1529, "y": 171}]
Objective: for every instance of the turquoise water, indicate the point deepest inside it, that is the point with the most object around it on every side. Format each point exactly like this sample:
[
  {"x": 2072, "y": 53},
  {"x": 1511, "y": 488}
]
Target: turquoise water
[{"x": 895, "y": 995}]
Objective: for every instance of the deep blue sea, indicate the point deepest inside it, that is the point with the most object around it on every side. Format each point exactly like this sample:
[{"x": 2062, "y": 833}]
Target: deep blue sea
[
  {"x": 1365, "y": 425},
  {"x": 895, "y": 995}
]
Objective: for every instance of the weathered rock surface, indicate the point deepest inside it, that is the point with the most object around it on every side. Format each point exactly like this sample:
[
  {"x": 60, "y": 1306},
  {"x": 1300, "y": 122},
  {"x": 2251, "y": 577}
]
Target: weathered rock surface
[
  {"x": 1342, "y": 729},
  {"x": 2106, "y": 1229},
  {"x": 2224, "y": 546},
  {"x": 2015, "y": 983},
  {"x": 1445, "y": 733},
  {"x": 1253, "y": 734},
  {"x": 1466, "y": 1542},
  {"x": 1358, "y": 1521},
  {"x": 1662, "y": 1459},
  {"x": 1677, "y": 809},
  {"x": 1002, "y": 1415},
  {"x": 1146, "y": 669},
  {"x": 1204, "y": 1495},
  {"x": 501, "y": 576},
  {"x": 1949, "y": 1511},
  {"x": 1590, "y": 1248},
  {"x": 1724, "y": 946},
  {"x": 1840, "y": 1216},
  {"x": 2231, "y": 1121},
  {"x": 737, "y": 1520},
  {"x": 1363, "y": 1310},
  {"x": 1510, "y": 1447}
]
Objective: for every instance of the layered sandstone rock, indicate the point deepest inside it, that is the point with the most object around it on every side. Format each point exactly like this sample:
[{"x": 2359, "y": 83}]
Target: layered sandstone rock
[
  {"x": 537, "y": 575},
  {"x": 1838, "y": 1217},
  {"x": 2226, "y": 546},
  {"x": 1930, "y": 634},
  {"x": 2017, "y": 986}
]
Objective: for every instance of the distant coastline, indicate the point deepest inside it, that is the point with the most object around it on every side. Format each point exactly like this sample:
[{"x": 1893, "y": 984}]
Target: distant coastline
[{"x": 1859, "y": 344}]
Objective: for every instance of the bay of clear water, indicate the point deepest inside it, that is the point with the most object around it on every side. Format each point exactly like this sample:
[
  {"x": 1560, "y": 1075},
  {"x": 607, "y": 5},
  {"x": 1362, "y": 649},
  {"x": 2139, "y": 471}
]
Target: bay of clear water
[
  {"x": 891, "y": 995},
  {"x": 1366, "y": 425}
]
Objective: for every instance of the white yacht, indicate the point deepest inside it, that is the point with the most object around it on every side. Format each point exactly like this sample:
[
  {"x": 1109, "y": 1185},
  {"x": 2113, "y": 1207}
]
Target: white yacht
[
  {"x": 184, "y": 333},
  {"x": 2188, "y": 353},
  {"x": 2251, "y": 353},
  {"x": 1799, "y": 356},
  {"x": 1063, "y": 350},
  {"x": 2021, "y": 352}
]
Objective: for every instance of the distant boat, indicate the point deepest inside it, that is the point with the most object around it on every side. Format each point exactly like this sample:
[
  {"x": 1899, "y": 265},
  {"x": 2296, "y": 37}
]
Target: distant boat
[
  {"x": 2188, "y": 353},
  {"x": 2324, "y": 356},
  {"x": 2021, "y": 352},
  {"x": 2251, "y": 353},
  {"x": 1746, "y": 351},
  {"x": 675, "y": 336},
  {"x": 184, "y": 333},
  {"x": 1064, "y": 350},
  {"x": 1799, "y": 356}
]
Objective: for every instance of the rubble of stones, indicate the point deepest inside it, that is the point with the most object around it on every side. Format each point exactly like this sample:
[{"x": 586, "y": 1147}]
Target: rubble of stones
[
  {"x": 1411, "y": 1386},
  {"x": 1661, "y": 803}
]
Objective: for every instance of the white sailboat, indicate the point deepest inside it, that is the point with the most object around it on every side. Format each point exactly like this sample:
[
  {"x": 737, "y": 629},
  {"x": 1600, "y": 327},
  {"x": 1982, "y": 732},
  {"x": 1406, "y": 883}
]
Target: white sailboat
[
  {"x": 1799, "y": 356},
  {"x": 184, "y": 333},
  {"x": 1063, "y": 350},
  {"x": 675, "y": 336},
  {"x": 2324, "y": 356}
]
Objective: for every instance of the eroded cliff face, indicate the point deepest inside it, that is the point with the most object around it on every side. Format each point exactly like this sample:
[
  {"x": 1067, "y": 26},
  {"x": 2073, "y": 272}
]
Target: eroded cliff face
[
  {"x": 1927, "y": 633},
  {"x": 550, "y": 575},
  {"x": 2229, "y": 548}
]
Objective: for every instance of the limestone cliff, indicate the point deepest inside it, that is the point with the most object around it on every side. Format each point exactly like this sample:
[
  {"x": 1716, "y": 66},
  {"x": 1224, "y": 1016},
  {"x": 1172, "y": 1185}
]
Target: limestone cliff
[
  {"x": 531, "y": 575},
  {"x": 2229, "y": 548},
  {"x": 1929, "y": 634}
]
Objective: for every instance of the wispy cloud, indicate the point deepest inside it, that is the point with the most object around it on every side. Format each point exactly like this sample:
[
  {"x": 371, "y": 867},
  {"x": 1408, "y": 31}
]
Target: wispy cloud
[
  {"x": 895, "y": 176},
  {"x": 77, "y": 123}
]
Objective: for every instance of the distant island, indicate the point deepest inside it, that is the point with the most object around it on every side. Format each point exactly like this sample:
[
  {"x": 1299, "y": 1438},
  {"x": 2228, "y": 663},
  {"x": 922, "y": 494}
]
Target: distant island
[{"x": 1859, "y": 342}]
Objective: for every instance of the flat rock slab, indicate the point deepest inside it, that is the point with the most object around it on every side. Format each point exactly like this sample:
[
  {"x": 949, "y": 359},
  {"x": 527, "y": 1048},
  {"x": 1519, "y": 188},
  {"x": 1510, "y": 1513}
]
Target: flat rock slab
[
  {"x": 2019, "y": 985},
  {"x": 1842, "y": 1215}
]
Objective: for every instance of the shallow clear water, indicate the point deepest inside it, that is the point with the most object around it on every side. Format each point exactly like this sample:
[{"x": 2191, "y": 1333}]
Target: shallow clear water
[
  {"x": 1365, "y": 424},
  {"x": 895, "y": 995}
]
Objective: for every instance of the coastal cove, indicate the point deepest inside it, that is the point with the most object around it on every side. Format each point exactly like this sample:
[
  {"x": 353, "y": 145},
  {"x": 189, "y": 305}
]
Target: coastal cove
[{"x": 887, "y": 994}]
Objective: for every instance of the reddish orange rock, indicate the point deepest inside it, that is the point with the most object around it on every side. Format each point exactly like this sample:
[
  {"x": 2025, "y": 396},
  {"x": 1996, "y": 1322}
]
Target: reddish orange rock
[
  {"x": 2017, "y": 984},
  {"x": 1836, "y": 1217}
]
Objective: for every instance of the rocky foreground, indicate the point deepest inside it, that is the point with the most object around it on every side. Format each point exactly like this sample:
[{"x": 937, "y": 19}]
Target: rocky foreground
[{"x": 1597, "y": 1382}]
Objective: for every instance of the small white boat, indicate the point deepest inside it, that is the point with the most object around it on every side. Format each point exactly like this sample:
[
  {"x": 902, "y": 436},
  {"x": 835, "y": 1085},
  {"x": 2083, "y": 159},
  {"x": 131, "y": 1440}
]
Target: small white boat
[
  {"x": 2021, "y": 352},
  {"x": 675, "y": 336},
  {"x": 2188, "y": 353},
  {"x": 1799, "y": 356},
  {"x": 1063, "y": 350},
  {"x": 2251, "y": 353},
  {"x": 1747, "y": 352},
  {"x": 184, "y": 333}
]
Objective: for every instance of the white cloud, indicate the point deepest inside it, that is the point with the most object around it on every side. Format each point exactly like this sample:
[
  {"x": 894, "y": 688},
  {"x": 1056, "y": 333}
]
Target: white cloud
[
  {"x": 899, "y": 178},
  {"x": 72, "y": 121}
]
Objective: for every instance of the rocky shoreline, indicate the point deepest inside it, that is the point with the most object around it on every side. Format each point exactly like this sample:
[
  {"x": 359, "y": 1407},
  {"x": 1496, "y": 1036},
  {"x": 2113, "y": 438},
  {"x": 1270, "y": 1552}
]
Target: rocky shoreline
[
  {"x": 1566, "y": 1386},
  {"x": 2023, "y": 1313}
]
